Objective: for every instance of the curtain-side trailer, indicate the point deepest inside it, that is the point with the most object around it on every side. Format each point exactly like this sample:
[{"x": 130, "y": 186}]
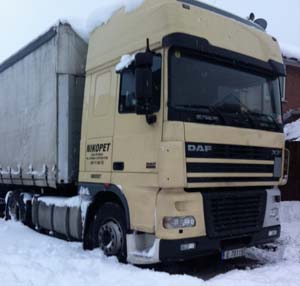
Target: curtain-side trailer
[{"x": 174, "y": 152}]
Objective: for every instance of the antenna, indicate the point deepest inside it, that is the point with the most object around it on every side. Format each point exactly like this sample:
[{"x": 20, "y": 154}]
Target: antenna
[
  {"x": 251, "y": 17},
  {"x": 148, "y": 46}
]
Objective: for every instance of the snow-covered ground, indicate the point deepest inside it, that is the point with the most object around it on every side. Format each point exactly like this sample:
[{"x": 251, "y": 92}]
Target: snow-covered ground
[{"x": 31, "y": 259}]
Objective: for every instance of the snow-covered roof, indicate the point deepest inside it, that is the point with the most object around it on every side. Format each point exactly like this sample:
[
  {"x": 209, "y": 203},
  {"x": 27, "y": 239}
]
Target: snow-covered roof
[
  {"x": 29, "y": 48},
  {"x": 290, "y": 52},
  {"x": 292, "y": 131},
  {"x": 35, "y": 44}
]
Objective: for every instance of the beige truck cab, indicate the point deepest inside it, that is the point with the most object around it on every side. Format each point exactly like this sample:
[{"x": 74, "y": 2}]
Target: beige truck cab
[{"x": 184, "y": 133}]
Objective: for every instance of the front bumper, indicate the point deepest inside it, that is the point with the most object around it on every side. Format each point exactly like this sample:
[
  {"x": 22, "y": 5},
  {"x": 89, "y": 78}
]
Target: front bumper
[{"x": 170, "y": 250}]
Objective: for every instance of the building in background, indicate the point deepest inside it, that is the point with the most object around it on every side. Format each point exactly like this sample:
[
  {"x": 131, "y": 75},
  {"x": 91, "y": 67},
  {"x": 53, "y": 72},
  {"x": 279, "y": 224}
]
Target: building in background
[
  {"x": 291, "y": 101},
  {"x": 291, "y": 115}
]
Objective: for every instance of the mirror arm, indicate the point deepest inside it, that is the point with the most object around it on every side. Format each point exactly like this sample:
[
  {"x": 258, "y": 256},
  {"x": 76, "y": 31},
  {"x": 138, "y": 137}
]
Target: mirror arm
[{"x": 151, "y": 118}]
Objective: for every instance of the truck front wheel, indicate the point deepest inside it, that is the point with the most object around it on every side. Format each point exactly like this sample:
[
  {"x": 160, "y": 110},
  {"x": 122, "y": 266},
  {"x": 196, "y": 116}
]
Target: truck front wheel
[{"x": 109, "y": 231}]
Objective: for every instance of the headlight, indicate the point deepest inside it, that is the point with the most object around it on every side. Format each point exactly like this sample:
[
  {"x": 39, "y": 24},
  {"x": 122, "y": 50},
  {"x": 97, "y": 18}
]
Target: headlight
[
  {"x": 274, "y": 212},
  {"x": 179, "y": 222}
]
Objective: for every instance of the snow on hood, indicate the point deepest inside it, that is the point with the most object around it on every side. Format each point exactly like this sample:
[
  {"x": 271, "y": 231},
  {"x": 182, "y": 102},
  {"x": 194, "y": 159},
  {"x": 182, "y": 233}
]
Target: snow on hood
[
  {"x": 290, "y": 51},
  {"x": 292, "y": 131}
]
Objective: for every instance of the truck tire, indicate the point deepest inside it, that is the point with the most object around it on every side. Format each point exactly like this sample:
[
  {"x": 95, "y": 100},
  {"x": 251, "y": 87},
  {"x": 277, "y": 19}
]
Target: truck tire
[
  {"x": 7, "y": 204},
  {"x": 22, "y": 216},
  {"x": 109, "y": 231},
  {"x": 17, "y": 209},
  {"x": 12, "y": 210}
]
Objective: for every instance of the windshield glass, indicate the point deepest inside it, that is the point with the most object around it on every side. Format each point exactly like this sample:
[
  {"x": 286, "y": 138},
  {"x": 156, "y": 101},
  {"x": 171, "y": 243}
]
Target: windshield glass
[{"x": 203, "y": 90}]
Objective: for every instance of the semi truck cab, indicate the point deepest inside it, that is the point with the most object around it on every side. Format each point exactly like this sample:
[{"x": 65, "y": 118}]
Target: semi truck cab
[
  {"x": 187, "y": 128},
  {"x": 181, "y": 148}
]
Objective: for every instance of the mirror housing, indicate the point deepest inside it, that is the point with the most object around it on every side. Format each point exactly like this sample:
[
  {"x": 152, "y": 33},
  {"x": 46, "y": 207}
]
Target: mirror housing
[
  {"x": 144, "y": 59},
  {"x": 143, "y": 88}
]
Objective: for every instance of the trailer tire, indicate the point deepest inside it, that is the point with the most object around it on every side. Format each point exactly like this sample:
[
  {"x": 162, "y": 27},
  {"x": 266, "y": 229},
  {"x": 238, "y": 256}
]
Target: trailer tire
[
  {"x": 12, "y": 209},
  {"x": 22, "y": 209},
  {"x": 109, "y": 231},
  {"x": 7, "y": 205}
]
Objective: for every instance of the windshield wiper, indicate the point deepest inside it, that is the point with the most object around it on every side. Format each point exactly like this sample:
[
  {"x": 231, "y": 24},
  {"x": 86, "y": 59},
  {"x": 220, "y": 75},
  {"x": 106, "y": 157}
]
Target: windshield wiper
[
  {"x": 267, "y": 116},
  {"x": 218, "y": 112},
  {"x": 275, "y": 121},
  {"x": 246, "y": 112},
  {"x": 238, "y": 106}
]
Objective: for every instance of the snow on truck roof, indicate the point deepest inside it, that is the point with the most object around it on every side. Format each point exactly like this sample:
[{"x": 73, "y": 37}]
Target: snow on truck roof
[
  {"x": 221, "y": 12},
  {"x": 36, "y": 44},
  {"x": 105, "y": 18},
  {"x": 155, "y": 19}
]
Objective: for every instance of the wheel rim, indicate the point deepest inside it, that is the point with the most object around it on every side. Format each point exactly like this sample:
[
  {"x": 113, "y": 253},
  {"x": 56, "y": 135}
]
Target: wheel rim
[{"x": 110, "y": 237}]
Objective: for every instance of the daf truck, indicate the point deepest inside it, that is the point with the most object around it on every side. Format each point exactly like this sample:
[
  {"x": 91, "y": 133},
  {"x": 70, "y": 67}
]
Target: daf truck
[{"x": 159, "y": 140}]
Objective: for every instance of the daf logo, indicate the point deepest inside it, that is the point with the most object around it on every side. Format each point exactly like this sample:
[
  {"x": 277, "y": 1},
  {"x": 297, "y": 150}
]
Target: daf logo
[{"x": 199, "y": 148}]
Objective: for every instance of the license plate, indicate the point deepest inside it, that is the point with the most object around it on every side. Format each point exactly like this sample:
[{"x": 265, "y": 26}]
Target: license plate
[{"x": 234, "y": 253}]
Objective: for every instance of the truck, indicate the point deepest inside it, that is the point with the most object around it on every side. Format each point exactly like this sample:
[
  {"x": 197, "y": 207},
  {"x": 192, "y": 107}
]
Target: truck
[{"x": 160, "y": 140}]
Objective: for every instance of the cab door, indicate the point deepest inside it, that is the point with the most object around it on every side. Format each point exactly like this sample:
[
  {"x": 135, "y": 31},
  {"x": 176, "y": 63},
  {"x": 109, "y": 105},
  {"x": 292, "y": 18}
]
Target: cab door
[
  {"x": 136, "y": 143},
  {"x": 98, "y": 127}
]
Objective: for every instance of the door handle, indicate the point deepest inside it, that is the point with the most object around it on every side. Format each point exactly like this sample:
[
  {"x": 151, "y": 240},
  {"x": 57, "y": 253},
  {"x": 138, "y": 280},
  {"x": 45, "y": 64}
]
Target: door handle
[{"x": 118, "y": 166}]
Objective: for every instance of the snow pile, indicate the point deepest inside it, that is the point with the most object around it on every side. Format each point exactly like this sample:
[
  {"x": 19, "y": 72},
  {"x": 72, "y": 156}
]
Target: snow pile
[
  {"x": 125, "y": 62},
  {"x": 31, "y": 259},
  {"x": 292, "y": 131},
  {"x": 102, "y": 15},
  {"x": 5, "y": 171},
  {"x": 61, "y": 202},
  {"x": 290, "y": 212},
  {"x": 290, "y": 239},
  {"x": 82, "y": 201},
  {"x": 288, "y": 246},
  {"x": 290, "y": 51},
  {"x": 28, "y": 258},
  {"x": 42, "y": 173},
  {"x": 16, "y": 172}
]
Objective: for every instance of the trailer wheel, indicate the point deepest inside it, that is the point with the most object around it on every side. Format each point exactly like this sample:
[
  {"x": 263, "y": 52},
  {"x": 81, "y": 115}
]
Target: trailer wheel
[
  {"x": 12, "y": 208},
  {"x": 109, "y": 231},
  {"x": 25, "y": 211},
  {"x": 7, "y": 204}
]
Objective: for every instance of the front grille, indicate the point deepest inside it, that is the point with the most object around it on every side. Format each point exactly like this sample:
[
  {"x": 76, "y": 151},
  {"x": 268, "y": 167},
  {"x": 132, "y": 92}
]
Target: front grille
[
  {"x": 235, "y": 213},
  {"x": 199, "y": 150},
  {"x": 228, "y": 168},
  {"x": 231, "y": 164}
]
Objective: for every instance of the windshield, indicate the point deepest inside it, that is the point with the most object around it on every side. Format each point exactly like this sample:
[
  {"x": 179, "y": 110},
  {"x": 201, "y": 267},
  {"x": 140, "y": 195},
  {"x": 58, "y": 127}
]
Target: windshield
[{"x": 203, "y": 90}]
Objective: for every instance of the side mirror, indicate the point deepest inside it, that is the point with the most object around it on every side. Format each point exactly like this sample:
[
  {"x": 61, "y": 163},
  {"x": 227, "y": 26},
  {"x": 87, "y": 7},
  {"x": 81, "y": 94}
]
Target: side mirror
[{"x": 144, "y": 88}]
